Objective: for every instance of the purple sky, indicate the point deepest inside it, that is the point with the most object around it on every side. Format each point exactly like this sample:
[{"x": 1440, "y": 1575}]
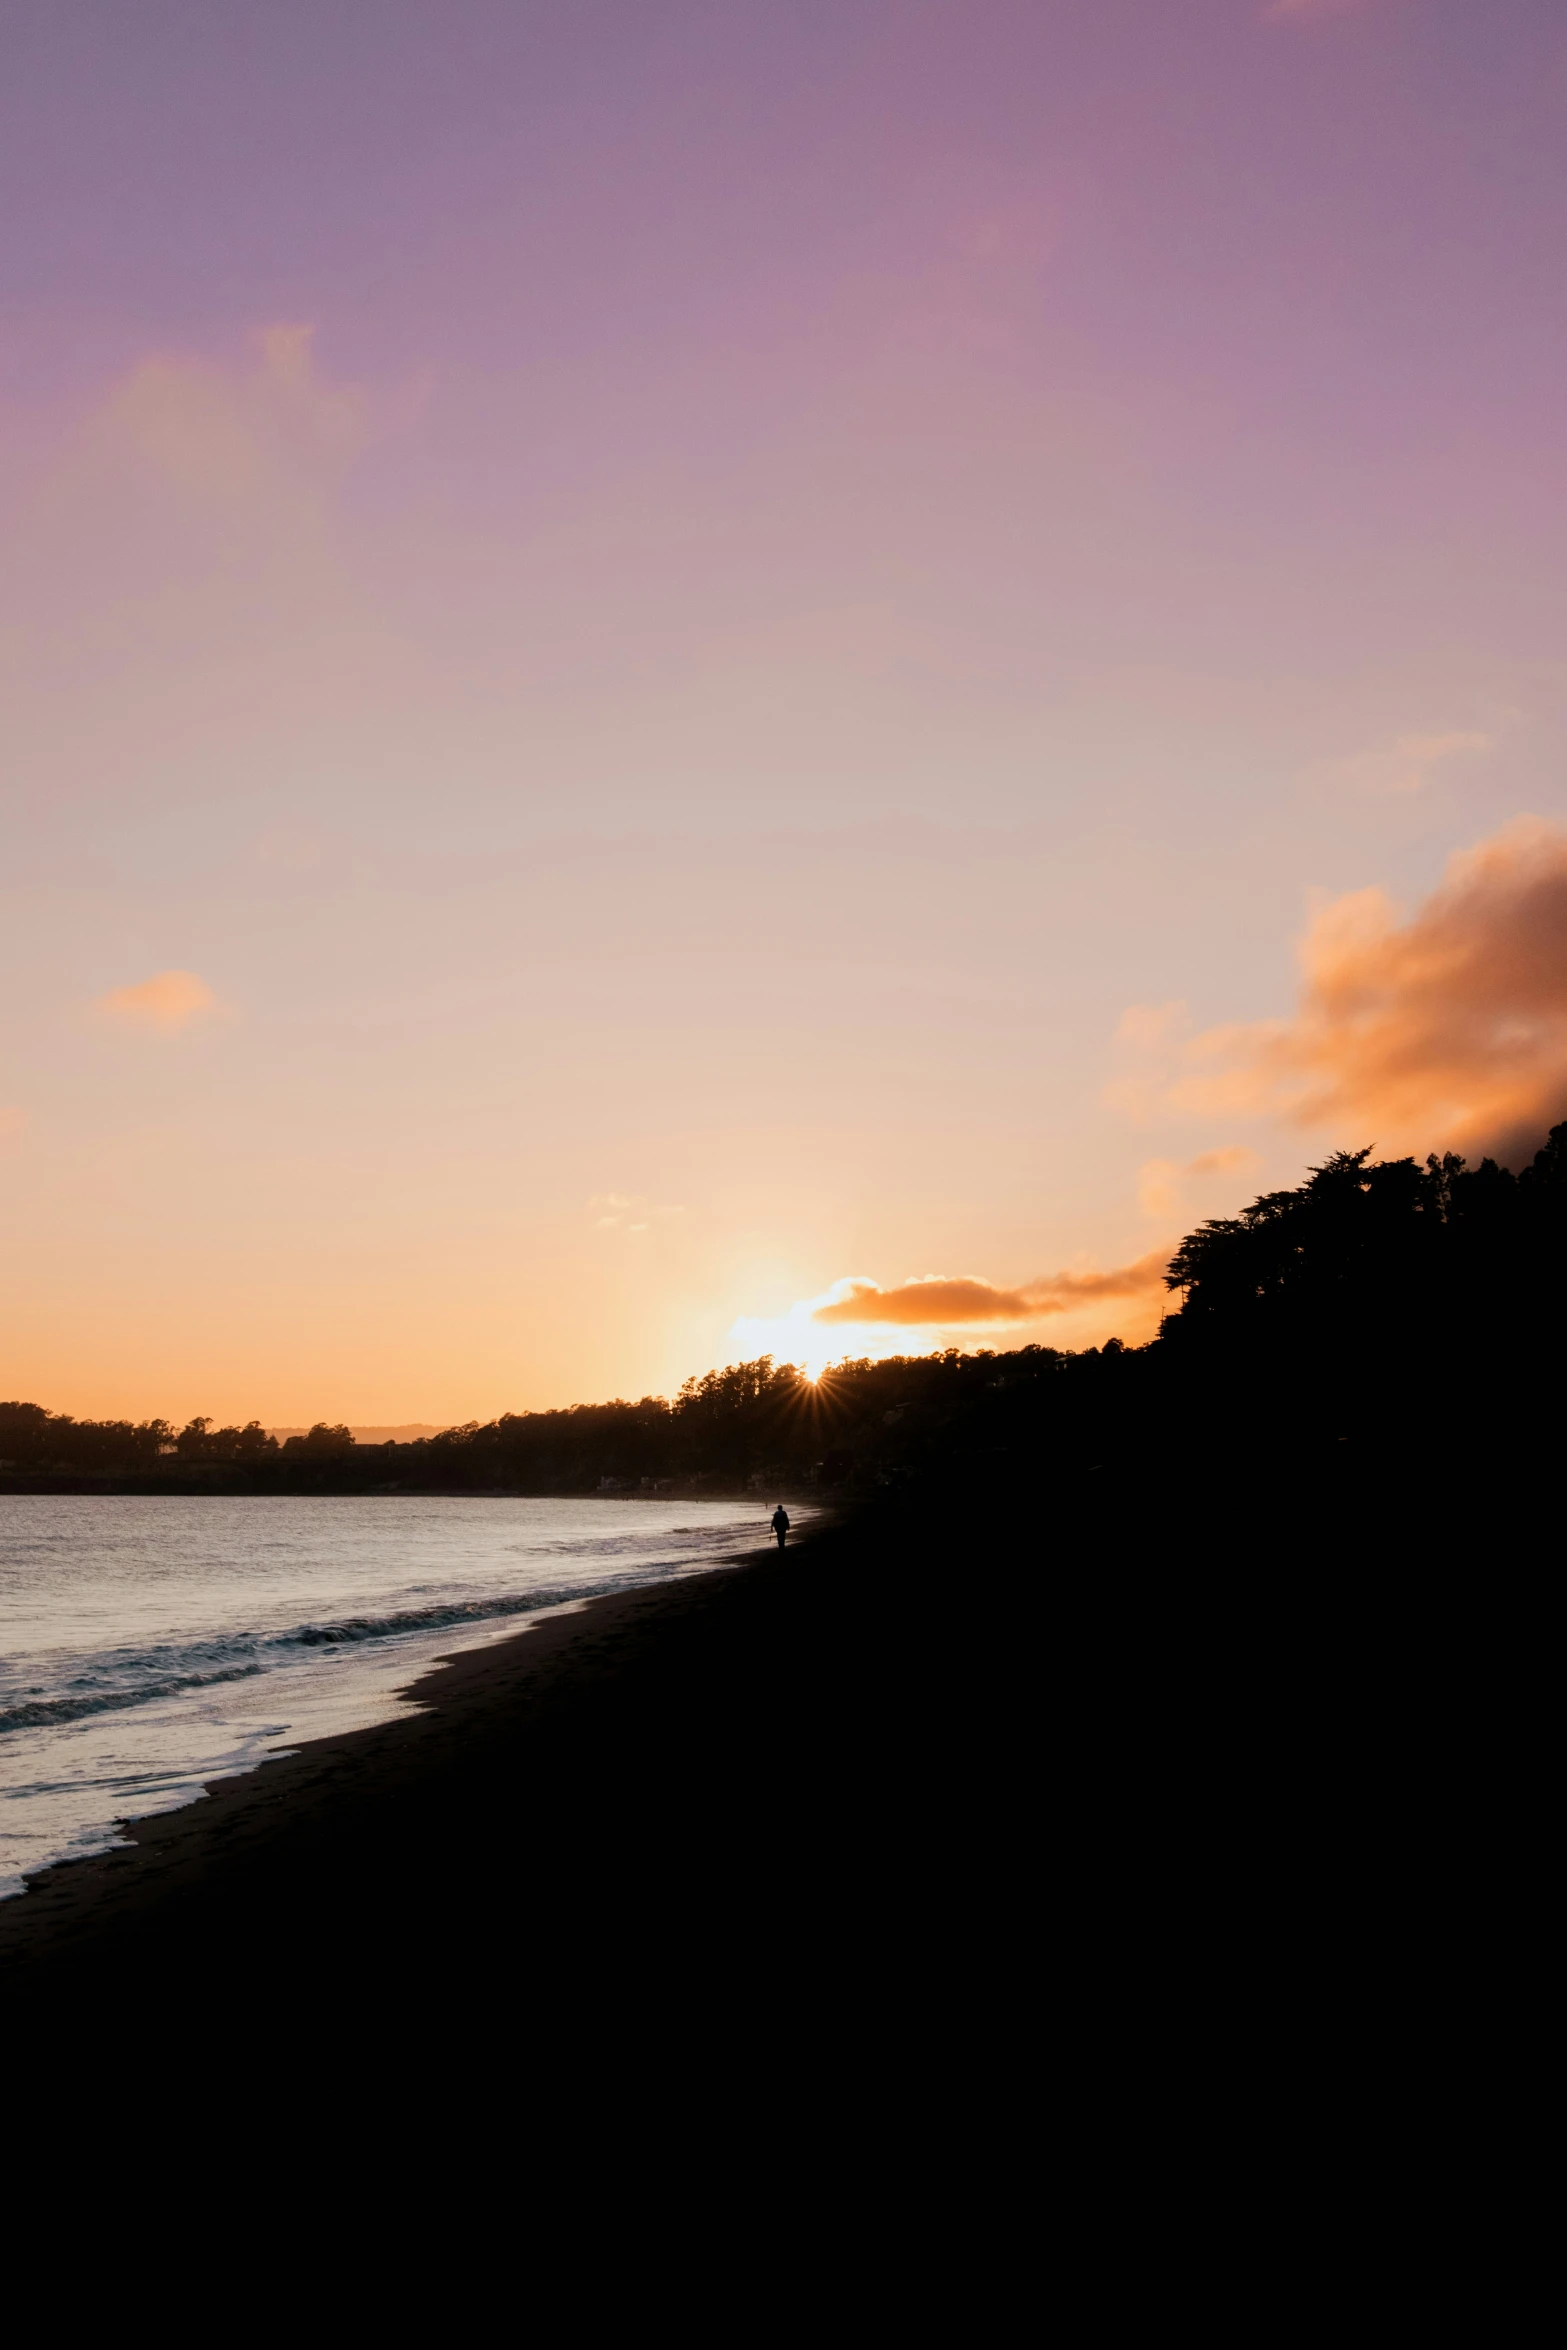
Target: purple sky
[{"x": 811, "y": 558}]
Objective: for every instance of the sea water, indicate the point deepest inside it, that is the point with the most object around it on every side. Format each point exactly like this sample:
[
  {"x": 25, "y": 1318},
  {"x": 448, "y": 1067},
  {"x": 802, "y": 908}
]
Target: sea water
[{"x": 148, "y": 1645}]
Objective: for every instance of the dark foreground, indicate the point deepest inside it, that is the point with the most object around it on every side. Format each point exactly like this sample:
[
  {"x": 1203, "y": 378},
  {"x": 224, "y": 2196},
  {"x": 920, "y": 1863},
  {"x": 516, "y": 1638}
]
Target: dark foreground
[
  {"x": 1133, "y": 1827},
  {"x": 749, "y": 1771}
]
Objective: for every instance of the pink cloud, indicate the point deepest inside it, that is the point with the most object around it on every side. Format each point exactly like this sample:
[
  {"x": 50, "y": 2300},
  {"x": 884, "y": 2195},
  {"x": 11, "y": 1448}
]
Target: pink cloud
[{"x": 230, "y": 435}]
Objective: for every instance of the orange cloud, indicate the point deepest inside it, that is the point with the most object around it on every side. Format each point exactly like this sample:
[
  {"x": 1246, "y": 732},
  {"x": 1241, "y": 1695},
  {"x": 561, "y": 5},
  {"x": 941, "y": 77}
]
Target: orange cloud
[
  {"x": 933, "y": 1301},
  {"x": 167, "y": 1001},
  {"x": 1222, "y": 1162},
  {"x": 1159, "y": 1181},
  {"x": 1447, "y": 1028}
]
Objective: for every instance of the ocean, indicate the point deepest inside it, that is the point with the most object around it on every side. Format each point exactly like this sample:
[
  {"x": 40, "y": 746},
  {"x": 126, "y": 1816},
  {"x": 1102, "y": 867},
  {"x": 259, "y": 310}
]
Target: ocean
[{"x": 150, "y": 1644}]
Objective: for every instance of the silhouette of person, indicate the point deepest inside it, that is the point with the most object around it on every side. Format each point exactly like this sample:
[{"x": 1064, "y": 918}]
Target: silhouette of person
[{"x": 780, "y": 1523}]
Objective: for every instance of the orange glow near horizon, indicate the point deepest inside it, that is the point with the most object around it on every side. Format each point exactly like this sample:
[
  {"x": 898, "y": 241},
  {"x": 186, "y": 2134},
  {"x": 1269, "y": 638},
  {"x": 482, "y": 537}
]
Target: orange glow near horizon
[{"x": 768, "y": 681}]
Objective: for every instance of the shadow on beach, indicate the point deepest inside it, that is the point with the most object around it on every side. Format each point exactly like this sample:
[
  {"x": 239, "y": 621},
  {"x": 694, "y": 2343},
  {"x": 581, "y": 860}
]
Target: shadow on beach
[{"x": 951, "y": 1733}]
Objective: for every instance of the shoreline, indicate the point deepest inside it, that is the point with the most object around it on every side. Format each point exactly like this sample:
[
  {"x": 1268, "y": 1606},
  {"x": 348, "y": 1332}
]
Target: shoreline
[
  {"x": 787, "y": 1779},
  {"x": 336, "y": 1839},
  {"x": 774, "y": 1799},
  {"x": 144, "y": 1670}
]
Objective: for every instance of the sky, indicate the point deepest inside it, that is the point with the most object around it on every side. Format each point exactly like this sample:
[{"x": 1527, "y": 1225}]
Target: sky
[{"x": 688, "y": 679}]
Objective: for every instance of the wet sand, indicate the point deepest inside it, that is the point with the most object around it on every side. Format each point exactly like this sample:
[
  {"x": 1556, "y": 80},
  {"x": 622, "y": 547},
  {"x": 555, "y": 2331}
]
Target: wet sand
[{"x": 709, "y": 1775}]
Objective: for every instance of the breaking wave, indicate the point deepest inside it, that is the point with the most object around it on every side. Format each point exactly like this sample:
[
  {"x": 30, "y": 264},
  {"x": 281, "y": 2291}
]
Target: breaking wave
[
  {"x": 465, "y": 1611},
  {"x": 260, "y": 1652},
  {"x": 158, "y": 1645},
  {"x": 44, "y": 1710}
]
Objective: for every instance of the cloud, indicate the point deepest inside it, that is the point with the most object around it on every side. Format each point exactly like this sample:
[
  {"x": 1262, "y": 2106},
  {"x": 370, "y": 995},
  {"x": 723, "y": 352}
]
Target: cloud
[
  {"x": 933, "y": 1301},
  {"x": 859, "y": 1316},
  {"x": 1160, "y": 1182},
  {"x": 1223, "y": 1162},
  {"x": 179, "y": 607},
  {"x": 1145, "y": 1026},
  {"x": 229, "y": 435},
  {"x": 168, "y": 1000},
  {"x": 1445, "y": 1029},
  {"x": 1408, "y": 763},
  {"x": 627, "y": 1212},
  {"x": 13, "y": 1121}
]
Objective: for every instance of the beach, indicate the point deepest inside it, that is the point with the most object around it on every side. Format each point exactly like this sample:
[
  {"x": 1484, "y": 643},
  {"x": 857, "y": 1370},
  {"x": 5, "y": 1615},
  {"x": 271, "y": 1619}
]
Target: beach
[
  {"x": 693, "y": 1775},
  {"x": 831, "y": 1840},
  {"x": 834, "y": 1758},
  {"x": 151, "y": 1645}
]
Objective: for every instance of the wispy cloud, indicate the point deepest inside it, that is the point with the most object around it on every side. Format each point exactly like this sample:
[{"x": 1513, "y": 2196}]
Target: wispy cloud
[
  {"x": 1408, "y": 763},
  {"x": 178, "y": 601},
  {"x": 13, "y": 1122},
  {"x": 169, "y": 1000},
  {"x": 229, "y": 435},
  {"x": 1448, "y": 1027},
  {"x": 622, "y": 1211},
  {"x": 937, "y": 1301},
  {"x": 1144, "y": 1040},
  {"x": 1161, "y": 1183}
]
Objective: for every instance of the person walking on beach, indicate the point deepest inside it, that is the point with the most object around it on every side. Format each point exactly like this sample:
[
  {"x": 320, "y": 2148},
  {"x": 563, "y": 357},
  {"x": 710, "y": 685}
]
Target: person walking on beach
[{"x": 780, "y": 1523}]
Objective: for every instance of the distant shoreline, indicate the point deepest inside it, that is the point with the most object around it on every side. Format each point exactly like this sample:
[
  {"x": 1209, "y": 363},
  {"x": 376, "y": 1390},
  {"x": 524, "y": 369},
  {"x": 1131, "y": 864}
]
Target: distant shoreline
[{"x": 312, "y": 1480}]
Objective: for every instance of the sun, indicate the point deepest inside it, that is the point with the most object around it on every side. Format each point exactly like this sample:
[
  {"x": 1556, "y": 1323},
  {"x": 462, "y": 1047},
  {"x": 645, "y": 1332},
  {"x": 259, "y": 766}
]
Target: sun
[{"x": 795, "y": 1337}]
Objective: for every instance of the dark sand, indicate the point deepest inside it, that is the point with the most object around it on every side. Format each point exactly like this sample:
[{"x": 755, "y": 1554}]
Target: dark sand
[
  {"x": 759, "y": 1769},
  {"x": 825, "y": 1764},
  {"x": 940, "y": 1838}
]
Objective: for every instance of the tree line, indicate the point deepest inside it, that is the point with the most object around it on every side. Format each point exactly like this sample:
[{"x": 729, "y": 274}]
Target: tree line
[{"x": 1414, "y": 1310}]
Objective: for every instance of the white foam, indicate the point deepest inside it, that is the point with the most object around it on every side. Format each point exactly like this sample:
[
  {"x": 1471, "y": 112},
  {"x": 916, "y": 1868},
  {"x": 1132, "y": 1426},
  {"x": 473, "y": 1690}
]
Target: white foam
[{"x": 148, "y": 1645}]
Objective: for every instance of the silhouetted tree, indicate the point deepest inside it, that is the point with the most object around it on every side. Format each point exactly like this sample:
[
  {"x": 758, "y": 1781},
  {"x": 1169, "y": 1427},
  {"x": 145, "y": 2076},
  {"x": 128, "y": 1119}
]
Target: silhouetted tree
[
  {"x": 1380, "y": 1310},
  {"x": 324, "y": 1442}
]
